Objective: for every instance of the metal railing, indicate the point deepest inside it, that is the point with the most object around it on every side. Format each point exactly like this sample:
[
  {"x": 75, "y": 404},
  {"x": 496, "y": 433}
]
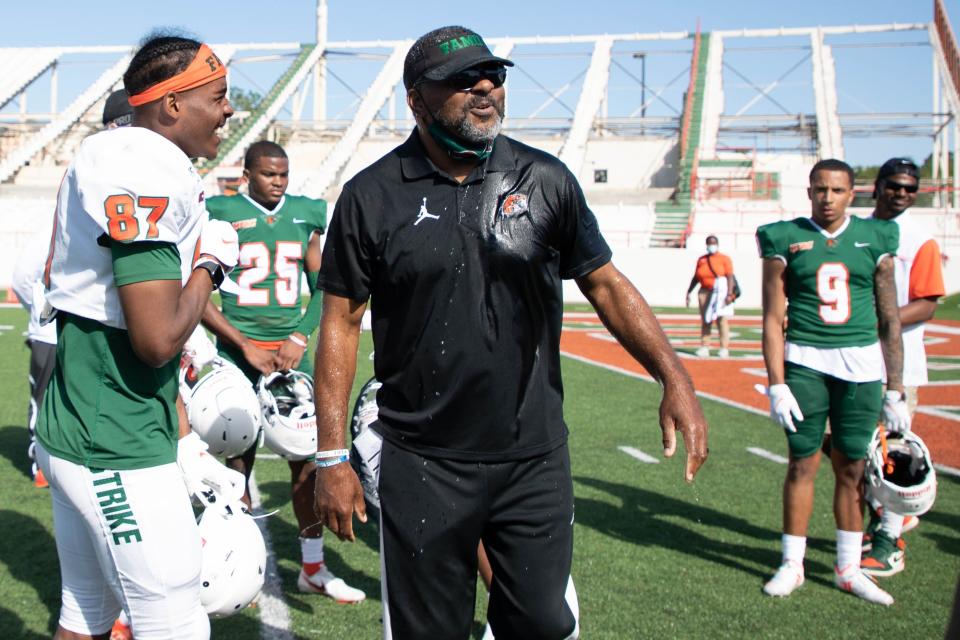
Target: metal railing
[{"x": 951, "y": 52}]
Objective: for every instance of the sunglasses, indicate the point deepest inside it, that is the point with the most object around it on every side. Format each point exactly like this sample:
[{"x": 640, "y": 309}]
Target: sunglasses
[
  {"x": 468, "y": 78},
  {"x": 896, "y": 186}
]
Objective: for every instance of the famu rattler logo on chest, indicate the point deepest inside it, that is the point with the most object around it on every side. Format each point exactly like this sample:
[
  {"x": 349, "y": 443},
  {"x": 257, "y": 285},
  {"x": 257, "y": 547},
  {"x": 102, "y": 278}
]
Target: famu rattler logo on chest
[{"x": 514, "y": 204}]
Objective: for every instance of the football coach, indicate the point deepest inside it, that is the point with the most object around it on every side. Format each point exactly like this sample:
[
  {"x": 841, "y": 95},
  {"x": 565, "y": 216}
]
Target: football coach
[{"x": 460, "y": 238}]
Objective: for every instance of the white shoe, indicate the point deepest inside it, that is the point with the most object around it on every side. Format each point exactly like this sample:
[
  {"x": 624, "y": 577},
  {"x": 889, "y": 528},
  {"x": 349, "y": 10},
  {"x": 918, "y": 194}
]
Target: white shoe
[
  {"x": 723, "y": 353},
  {"x": 324, "y": 582},
  {"x": 786, "y": 580},
  {"x": 703, "y": 352},
  {"x": 909, "y": 524},
  {"x": 852, "y": 579}
]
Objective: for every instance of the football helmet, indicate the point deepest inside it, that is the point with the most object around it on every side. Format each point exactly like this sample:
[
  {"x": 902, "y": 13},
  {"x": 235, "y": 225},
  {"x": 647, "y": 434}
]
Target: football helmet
[
  {"x": 222, "y": 409},
  {"x": 366, "y": 446},
  {"x": 233, "y": 560},
  {"x": 900, "y": 476},
  {"x": 288, "y": 415}
]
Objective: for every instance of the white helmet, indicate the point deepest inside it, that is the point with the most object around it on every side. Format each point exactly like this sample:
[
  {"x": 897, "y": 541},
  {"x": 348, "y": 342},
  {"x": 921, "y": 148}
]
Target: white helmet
[
  {"x": 365, "y": 409},
  {"x": 288, "y": 415},
  {"x": 222, "y": 409},
  {"x": 366, "y": 446},
  {"x": 905, "y": 483},
  {"x": 234, "y": 560}
]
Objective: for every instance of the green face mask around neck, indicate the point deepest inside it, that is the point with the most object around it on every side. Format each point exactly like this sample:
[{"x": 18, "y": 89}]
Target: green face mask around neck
[{"x": 457, "y": 148}]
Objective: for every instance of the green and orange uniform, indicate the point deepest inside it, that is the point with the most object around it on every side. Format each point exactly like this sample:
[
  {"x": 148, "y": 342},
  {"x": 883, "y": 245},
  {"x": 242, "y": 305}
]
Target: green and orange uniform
[
  {"x": 834, "y": 362},
  {"x": 263, "y": 298}
]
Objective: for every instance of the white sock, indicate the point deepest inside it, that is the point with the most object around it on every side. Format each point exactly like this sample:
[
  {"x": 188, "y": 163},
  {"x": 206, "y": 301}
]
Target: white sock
[
  {"x": 892, "y": 524},
  {"x": 794, "y": 548},
  {"x": 311, "y": 549},
  {"x": 848, "y": 548}
]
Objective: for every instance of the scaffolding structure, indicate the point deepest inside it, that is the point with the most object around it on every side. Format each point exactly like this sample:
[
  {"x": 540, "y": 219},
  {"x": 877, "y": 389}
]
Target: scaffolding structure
[{"x": 697, "y": 118}]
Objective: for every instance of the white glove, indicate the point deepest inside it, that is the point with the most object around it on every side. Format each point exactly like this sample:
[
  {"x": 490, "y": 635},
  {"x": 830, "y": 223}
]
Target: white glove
[
  {"x": 199, "y": 349},
  {"x": 896, "y": 414},
  {"x": 218, "y": 239},
  {"x": 784, "y": 408},
  {"x": 205, "y": 477}
]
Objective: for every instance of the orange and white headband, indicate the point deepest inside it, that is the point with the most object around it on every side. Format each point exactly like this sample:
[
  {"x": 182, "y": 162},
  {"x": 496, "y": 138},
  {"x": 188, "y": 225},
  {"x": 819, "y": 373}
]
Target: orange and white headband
[{"x": 205, "y": 67}]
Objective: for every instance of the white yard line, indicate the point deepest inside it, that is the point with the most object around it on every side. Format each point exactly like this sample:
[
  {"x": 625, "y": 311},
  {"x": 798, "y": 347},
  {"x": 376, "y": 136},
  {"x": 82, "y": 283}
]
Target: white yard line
[
  {"x": 946, "y": 470},
  {"x": 640, "y": 376},
  {"x": 691, "y": 317},
  {"x": 639, "y": 455},
  {"x": 942, "y": 468},
  {"x": 274, "y": 614},
  {"x": 940, "y": 413},
  {"x": 933, "y": 327},
  {"x": 768, "y": 455}
]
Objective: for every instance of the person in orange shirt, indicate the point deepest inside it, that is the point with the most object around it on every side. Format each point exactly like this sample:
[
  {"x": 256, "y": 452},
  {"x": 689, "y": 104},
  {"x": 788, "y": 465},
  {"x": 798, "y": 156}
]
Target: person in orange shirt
[
  {"x": 714, "y": 274},
  {"x": 919, "y": 278}
]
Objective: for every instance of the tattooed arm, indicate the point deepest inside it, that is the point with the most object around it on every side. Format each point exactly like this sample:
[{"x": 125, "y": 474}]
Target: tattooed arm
[{"x": 888, "y": 314}]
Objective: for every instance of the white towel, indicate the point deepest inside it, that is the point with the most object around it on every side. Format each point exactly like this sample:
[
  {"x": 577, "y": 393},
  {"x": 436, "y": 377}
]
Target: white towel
[{"x": 716, "y": 306}]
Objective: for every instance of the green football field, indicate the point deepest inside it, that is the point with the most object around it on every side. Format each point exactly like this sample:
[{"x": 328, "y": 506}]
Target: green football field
[{"x": 654, "y": 557}]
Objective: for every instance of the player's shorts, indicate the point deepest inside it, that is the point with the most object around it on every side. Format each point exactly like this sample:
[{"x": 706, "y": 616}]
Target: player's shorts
[
  {"x": 126, "y": 540},
  {"x": 433, "y": 513},
  {"x": 234, "y": 355},
  {"x": 853, "y": 409}
]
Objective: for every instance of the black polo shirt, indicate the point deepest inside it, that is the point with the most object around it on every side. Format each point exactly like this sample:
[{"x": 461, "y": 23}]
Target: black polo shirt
[{"x": 466, "y": 295}]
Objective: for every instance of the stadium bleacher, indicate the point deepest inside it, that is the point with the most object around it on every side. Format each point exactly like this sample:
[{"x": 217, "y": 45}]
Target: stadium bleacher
[{"x": 660, "y": 181}]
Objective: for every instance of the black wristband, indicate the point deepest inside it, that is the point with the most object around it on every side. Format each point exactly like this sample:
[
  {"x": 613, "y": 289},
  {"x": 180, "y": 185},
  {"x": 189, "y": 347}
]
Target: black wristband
[{"x": 215, "y": 270}]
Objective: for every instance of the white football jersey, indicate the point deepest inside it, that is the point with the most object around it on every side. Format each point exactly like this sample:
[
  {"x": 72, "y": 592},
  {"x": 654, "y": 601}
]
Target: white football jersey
[
  {"x": 27, "y": 282},
  {"x": 918, "y": 274},
  {"x": 125, "y": 185}
]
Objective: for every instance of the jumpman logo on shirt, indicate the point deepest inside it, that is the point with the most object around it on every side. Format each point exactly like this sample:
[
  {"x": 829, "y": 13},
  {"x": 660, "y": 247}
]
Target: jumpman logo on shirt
[{"x": 424, "y": 214}]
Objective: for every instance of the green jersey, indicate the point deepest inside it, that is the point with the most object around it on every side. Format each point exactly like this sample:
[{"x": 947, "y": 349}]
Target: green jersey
[
  {"x": 830, "y": 278},
  {"x": 104, "y": 407},
  {"x": 264, "y": 300}
]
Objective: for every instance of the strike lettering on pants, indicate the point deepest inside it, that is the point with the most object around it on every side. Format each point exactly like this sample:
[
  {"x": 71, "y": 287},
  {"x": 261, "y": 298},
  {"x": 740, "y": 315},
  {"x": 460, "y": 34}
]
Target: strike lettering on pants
[{"x": 116, "y": 510}]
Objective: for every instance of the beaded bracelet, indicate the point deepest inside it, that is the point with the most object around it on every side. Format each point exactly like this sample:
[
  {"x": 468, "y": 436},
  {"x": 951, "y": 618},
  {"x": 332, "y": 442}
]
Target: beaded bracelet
[{"x": 330, "y": 462}]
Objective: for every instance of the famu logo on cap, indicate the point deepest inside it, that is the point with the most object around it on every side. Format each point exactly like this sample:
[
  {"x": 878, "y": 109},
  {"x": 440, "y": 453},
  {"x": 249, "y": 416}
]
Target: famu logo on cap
[{"x": 463, "y": 42}]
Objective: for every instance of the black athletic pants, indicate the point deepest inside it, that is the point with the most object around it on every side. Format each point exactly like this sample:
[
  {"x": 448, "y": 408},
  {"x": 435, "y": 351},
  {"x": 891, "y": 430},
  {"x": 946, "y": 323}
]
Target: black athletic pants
[
  {"x": 43, "y": 357},
  {"x": 433, "y": 514}
]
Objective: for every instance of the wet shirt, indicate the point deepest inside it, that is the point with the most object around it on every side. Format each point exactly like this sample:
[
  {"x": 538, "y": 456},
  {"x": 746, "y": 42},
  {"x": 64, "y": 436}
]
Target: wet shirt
[{"x": 466, "y": 296}]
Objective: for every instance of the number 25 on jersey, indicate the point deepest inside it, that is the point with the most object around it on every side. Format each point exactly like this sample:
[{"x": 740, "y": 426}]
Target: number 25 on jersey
[
  {"x": 255, "y": 263},
  {"x": 833, "y": 287}
]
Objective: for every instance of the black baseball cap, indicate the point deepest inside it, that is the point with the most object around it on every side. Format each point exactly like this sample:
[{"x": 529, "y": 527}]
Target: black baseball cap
[
  {"x": 444, "y": 52},
  {"x": 894, "y": 166},
  {"x": 117, "y": 109}
]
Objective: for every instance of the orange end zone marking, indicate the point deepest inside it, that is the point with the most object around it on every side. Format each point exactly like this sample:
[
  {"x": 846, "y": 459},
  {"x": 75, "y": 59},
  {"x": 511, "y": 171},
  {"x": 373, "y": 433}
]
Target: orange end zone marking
[{"x": 729, "y": 379}]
